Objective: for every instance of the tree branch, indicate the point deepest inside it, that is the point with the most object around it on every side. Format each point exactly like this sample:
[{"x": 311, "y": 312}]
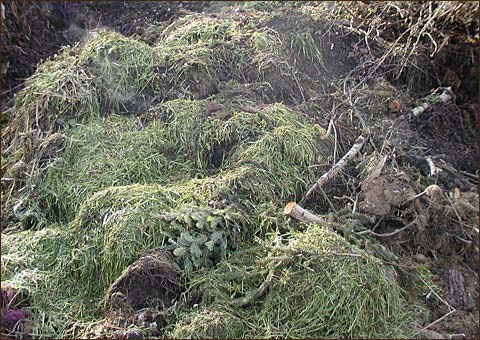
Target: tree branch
[{"x": 335, "y": 170}]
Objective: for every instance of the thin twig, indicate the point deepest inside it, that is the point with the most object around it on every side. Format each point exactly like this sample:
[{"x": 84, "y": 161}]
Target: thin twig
[
  {"x": 328, "y": 199},
  {"x": 370, "y": 232},
  {"x": 456, "y": 212},
  {"x": 438, "y": 296},
  {"x": 438, "y": 320}
]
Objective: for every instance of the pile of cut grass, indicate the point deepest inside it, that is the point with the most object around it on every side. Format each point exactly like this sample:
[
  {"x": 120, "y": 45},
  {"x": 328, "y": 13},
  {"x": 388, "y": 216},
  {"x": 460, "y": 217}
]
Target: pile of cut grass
[
  {"x": 271, "y": 168},
  {"x": 244, "y": 157},
  {"x": 123, "y": 191},
  {"x": 34, "y": 263},
  {"x": 112, "y": 74},
  {"x": 133, "y": 159},
  {"x": 106, "y": 152},
  {"x": 209, "y": 324},
  {"x": 315, "y": 285}
]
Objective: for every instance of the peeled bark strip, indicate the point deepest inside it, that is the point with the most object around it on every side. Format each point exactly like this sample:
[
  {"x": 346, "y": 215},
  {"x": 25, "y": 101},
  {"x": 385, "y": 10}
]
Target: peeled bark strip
[{"x": 335, "y": 170}]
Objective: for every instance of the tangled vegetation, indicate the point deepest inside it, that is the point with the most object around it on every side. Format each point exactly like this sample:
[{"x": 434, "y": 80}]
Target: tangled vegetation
[
  {"x": 349, "y": 292},
  {"x": 161, "y": 163}
]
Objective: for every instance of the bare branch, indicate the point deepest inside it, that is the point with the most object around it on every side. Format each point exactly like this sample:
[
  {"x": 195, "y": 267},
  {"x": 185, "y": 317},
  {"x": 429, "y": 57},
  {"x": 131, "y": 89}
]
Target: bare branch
[{"x": 335, "y": 170}]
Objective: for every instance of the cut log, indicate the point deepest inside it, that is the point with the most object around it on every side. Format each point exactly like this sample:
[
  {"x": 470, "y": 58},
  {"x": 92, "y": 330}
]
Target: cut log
[{"x": 295, "y": 211}]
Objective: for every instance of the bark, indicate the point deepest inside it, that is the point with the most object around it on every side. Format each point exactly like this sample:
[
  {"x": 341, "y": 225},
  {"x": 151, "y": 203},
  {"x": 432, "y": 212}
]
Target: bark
[
  {"x": 295, "y": 211},
  {"x": 339, "y": 166}
]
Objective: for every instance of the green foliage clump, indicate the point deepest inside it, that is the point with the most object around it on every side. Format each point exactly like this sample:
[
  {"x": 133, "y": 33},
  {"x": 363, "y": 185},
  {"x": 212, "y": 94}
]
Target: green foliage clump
[
  {"x": 125, "y": 185},
  {"x": 60, "y": 88},
  {"x": 116, "y": 225},
  {"x": 314, "y": 284}
]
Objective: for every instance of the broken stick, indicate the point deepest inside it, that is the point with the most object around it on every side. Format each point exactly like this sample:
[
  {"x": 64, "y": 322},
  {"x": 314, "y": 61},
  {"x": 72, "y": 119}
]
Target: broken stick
[
  {"x": 444, "y": 97},
  {"x": 335, "y": 170},
  {"x": 295, "y": 211},
  {"x": 433, "y": 169}
]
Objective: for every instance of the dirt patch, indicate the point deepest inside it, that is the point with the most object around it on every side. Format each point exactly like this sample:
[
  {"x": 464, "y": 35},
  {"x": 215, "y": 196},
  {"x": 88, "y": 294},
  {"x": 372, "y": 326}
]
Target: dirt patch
[
  {"x": 464, "y": 325},
  {"x": 447, "y": 128},
  {"x": 382, "y": 194},
  {"x": 152, "y": 281},
  {"x": 446, "y": 223}
]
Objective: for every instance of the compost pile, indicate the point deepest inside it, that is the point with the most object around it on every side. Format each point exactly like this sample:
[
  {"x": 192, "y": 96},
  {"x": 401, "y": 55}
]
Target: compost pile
[{"x": 146, "y": 176}]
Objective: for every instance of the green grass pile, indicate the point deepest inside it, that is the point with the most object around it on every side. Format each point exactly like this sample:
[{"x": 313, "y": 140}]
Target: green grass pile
[
  {"x": 126, "y": 72},
  {"x": 111, "y": 74},
  {"x": 117, "y": 225},
  {"x": 109, "y": 151},
  {"x": 209, "y": 324},
  {"x": 117, "y": 152},
  {"x": 60, "y": 87},
  {"x": 34, "y": 263},
  {"x": 271, "y": 168},
  {"x": 122, "y": 189},
  {"x": 245, "y": 157},
  {"x": 312, "y": 285}
]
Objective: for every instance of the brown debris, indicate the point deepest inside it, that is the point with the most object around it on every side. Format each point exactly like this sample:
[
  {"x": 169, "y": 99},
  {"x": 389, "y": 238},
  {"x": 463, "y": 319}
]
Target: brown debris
[
  {"x": 394, "y": 105},
  {"x": 457, "y": 290},
  {"x": 383, "y": 193},
  {"x": 152, "y": 281},
  {"x": 213, "y": 107}
]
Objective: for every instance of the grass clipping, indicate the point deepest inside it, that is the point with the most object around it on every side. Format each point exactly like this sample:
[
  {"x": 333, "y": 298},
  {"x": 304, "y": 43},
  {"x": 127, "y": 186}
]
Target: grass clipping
[
  {"x": 315, "y": 285},
  {"x": 109, "y": 74}
]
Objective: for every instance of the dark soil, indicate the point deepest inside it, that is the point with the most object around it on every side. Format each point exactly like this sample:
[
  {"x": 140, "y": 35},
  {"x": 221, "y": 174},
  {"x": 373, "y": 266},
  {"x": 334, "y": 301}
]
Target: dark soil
[
  {"x": 152, "y": 281},
  {"x": 447, "y": 129}
]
